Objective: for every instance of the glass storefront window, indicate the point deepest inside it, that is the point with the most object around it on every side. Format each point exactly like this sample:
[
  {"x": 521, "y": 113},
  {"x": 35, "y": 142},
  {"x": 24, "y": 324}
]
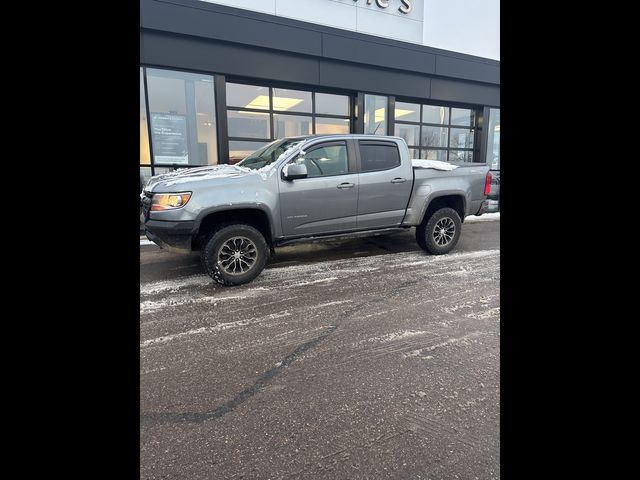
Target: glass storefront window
[
  {"x": 248, "y": 124},
  {"x": 443, "y": 129},
  {"x": 248, "y": 96},
  {"x": 182, "y": 118},
  {"x": 145, "y": 175},
  {"x": 462, "y": 116},
  {"x": 375, "y": 115},
  {"x": 287, "y": 113},
  {"x": 434, "y": 136},
  {"x": 435, "y": 114},
  {"x": 460, "y": 156},
  {"x": 407, "y": 112},
  {"x": 329, "y": 104},
  {"x": 461, "y": 138},
  {"x": 332, "y": 125},
  {"x": 432, "y": 154},
  {"x": 291, "y": 100},
  {"x": 410, "y": 133},
  {"x": 493, "y": 144},
  {"x": 238, "y": 150},
  {"x": 291, "y": 125},
  {"x": 414, "y": 152},
  {"x": 145, "y": 156}
]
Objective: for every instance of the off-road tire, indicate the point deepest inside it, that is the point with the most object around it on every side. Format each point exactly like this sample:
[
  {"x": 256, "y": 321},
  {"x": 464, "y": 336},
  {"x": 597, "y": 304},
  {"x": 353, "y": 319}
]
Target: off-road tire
[
  {"x": 425, "y": 231},
  {"x": 216, "y": 241}
]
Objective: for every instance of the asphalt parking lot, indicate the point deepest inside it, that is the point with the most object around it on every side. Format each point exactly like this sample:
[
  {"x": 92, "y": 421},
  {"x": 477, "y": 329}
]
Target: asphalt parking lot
[{"x": 365, "y": 358}]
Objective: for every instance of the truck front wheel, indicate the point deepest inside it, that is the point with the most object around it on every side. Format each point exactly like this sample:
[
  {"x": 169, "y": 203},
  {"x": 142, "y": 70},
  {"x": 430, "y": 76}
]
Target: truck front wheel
[
  {"x": 235, "y": 254},
  {"x": 440, "y": 232}
]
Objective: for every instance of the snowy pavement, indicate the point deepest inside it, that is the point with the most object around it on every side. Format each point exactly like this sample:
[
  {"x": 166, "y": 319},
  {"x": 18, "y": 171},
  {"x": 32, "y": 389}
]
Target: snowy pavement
[{"x": 364, "y": 358}]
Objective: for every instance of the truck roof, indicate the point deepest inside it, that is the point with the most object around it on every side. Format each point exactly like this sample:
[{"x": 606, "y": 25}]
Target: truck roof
[{"x": 341, "y": 135}]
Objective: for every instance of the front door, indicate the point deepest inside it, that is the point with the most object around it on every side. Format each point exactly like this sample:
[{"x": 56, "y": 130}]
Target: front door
[{"x": 327, "y": 200}]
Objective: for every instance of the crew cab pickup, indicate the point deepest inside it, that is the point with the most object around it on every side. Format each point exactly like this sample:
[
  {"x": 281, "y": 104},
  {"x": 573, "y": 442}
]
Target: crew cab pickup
[{"x": 308, "y": 188}]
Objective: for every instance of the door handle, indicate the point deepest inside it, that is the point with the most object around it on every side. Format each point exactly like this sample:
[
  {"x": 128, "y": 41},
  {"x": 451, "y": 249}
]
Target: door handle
[
  {"x": 346, "y": 185},
  {"x": 398, "y": 180}
]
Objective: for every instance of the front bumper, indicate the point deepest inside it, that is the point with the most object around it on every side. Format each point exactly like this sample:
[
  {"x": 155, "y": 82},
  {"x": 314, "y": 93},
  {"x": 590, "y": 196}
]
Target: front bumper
[{"x": 172, "y": 236}]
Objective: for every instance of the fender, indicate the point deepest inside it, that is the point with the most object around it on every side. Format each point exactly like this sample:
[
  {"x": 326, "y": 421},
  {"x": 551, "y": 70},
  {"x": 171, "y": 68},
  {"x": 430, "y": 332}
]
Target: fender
[{"x": 236, "y": 206}]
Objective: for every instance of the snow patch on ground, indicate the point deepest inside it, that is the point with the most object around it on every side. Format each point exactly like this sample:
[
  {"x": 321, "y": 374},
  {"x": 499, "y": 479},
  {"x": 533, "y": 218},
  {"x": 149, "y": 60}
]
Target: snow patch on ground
[
  {"x": 487, "y": 217},
  {"x": 214, "y": 329},
  {"x": 312, "y": 282},
  {"x": 390, "y": 337},
  {"x": 175, "y": 285},
  {"x": 422, "y": 260},
  {"x": 492, "y": 312},
  {"x": 340, "y": 302},
  {"x": 464, "y": 340}
]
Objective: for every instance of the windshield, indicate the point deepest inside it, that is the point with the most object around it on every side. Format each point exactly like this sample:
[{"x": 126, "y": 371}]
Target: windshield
[{"x": 269, "y": 153}]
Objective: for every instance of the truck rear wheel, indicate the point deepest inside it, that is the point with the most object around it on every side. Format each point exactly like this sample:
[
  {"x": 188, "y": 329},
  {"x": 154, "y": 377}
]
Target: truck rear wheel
[
  {"x": 235, "y": 254},
  {"x": 439, "y": 233}
]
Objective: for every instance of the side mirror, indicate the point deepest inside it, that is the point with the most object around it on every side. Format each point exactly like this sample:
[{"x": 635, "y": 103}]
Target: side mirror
[{"x": 293, "y": 171}]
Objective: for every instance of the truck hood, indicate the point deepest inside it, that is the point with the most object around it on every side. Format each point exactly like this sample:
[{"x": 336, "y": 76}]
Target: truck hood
[{"x": 186, "y": 178}]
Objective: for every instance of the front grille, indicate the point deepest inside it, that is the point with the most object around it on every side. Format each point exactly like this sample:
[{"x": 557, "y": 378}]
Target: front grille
[{"x": 146, "y": 204}]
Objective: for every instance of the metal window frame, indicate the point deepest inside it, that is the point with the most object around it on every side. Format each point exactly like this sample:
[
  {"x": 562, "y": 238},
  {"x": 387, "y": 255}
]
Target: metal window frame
[
  {"x": 219, "y": 128},
  {"x": 271, "y": 112},
  {"x": 475, "y": 127}
]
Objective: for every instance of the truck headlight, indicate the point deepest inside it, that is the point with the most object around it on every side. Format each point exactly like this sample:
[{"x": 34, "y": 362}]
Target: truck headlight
[{"x": 169, "y": 201}]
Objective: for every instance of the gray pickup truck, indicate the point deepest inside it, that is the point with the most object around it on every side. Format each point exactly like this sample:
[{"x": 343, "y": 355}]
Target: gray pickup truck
[{"x": 308, "y": 188}]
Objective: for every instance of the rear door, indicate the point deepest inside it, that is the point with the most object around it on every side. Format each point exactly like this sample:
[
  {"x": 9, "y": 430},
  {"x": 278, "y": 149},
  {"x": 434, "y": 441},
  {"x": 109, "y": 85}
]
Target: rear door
[
  {"x": 326, "y": 201},
  {"x": 385, "y": 183}
]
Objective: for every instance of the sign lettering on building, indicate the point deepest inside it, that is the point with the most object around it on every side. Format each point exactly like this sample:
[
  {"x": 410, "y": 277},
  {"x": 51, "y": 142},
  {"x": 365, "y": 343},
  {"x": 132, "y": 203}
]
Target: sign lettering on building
[{"x": 404, "y": 8}]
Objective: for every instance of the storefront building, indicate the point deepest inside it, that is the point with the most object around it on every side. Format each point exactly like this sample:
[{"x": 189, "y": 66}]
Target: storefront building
[{"x": 217, "y": 82}]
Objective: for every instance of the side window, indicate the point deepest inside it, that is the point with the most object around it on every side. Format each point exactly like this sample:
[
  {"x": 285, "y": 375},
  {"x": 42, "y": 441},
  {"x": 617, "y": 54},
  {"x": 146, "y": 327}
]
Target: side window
[
  {"x": 378, "y": 156},
  {"x": 325, "y": 160}
]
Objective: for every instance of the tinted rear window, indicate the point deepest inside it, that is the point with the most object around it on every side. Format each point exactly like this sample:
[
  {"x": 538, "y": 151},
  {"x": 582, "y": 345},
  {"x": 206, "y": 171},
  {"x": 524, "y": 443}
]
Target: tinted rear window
[{"x": 378, "y": 156}]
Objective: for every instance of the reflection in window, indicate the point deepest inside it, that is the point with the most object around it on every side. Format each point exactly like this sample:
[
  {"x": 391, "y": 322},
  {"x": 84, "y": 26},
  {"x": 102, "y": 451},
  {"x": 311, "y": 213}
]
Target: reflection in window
[
  {"x": 378, "y": 156},
  {"x": 435, "y": 114},
  {"x": 291, "y": 100},
  {"x": 414, "y": 152},
  {"x": 145, "y": 175},
  {"x": 460, "y": 155},
  {"x": 291, "y": 125},
  {"x": 247, "y": 96},
  {"x": 410, "y": 133},
  {"x": 329, "y": 104},
  {"x": 493, "y": 144},
  {"x": 434, "y": 136},
  {"x": 326, "y": 126},
  {"x": 461, "y": 138},
  {"x": 163, "y": 170},
  {"x": 462, "y": 116},
  {"x": 438, "y": 130},
  {"x": 325, "y": 160},
  {"x": 285, "y": 113},
  {"x": 433, "y": 154},
  {"x": 375, "y": 115},
  {"x": 182, "y": 118},
  {"x": 145, "y": 156},
  {"x": 248, "y": 124},
  {"x": 407, "y": 112}
]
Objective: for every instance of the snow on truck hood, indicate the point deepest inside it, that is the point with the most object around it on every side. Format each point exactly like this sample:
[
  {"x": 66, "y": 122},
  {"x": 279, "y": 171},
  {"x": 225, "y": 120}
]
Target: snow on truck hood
[
  {"x": 435, "y": 164},
  {"x": 190, "y": 175}
]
